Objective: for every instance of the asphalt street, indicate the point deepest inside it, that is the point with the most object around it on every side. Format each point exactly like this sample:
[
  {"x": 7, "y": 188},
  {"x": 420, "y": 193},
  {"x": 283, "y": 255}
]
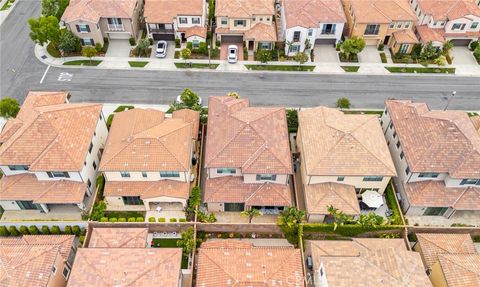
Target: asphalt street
[{"x": 21, "y": 72}]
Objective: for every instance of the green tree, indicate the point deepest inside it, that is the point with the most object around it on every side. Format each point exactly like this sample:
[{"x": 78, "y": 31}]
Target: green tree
[
  {"x": 142, "y": 47},
  {"x": 56, "y": 230},
  {"x": 185, "y": 54},
  {"x": 289, "y": 222},
  {"x": 9, "y": 107},
  {"x": 441, "y": 60},
  {"x": 292, "y": 120},
  {"x": 251, "y": 213},
  {"x": 264, "y": 56},
  {"x": 301, "y": 58},
  {"x": 89, "y": 52},
  {"x": 430, "y": 52},
  {"x": 339, "y": 218},
  {"x": 187, "y": 242},
  {"x": 33, "y": 229},
  {"x": 68, "y": 42},
  {"x": 24, "y": 230},
  {"x": 54, "y": 7},
  {"x": 476, "y": 53},
  {"x": 45, "y": 230},
  {"x": 234, "y": 95},
  {"x": 417, "y": 51},
  {"x": 45, "y": 29},
  {"x": 98, "y": 211},
  {"x": 343, "y": 103},
  {"x": 189, "y": 98},
  {"x": 370, "y": 220},
  {"x": 352, "y": 46},
  {"x": 447, "y": 46}
]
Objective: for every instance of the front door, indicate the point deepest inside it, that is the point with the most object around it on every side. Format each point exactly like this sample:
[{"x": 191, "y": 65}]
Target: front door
[
  {"x": 183, "y": 37},
  {"x": 385, "y": 41},
  {"x": 250, "y": 45}
]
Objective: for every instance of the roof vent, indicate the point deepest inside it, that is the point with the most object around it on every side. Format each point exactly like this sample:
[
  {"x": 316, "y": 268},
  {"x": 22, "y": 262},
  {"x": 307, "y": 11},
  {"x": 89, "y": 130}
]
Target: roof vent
[{"x": 269, "y": 254}]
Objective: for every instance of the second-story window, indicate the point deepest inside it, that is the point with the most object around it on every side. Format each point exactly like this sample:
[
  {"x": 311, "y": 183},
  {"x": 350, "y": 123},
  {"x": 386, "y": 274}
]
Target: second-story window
[
  {"x": 458, "y": 26},
  {"x": 182, "y": 20},
  {"x": 474, "y": 25},
  {"x": 470, "y": 181},
  {"x": 373, "y": 178},
  {"x": 144, "y": 174},
  {"x": 271, "y": 177},
  {"x": 372, "y": 29},
  {"x": 340, "y": 178},
  {"x": 242, "y": 23},
  {"x": 428, "y": 175},
  {"x": 18, "y": 167},
  {"x": 124, "y": 174},
  {"x": 399, "y": 24},
  {"x": 296, "y": 36},
  {"x": 392, "y": 24},
  {"x": 310, "y": 32},
  {"x": 224, "y": 21},
  {"x": 169, "y": 174},
  {"x": 407, "y": 25},
  {"x": 226, "y": 171},
  {"x": 90, "y": 148},
  {"x": 196, "y": 20},
  {"x": 83, "y": 28},
  {"x": 54, "y": 174}
]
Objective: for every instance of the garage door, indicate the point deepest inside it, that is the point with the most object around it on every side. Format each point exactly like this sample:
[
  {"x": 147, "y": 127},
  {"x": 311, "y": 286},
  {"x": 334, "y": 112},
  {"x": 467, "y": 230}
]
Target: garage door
[
  {"x": 166, "y": 37},
  {"x": 460, "y": 42},
  {"x": 325, "y": 41},
  {"x": 232, "y": 39},
  {"x": 119, "y": 35}
]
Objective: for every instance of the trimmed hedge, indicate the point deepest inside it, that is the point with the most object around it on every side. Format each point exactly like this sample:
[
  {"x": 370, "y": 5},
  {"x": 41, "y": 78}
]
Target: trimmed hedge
[
  {"x": 131, "y": 219},
  {"x": 13, "y": 231},
  {"x": 33, "y": 229},
  {"x": 173, "y": 220},
  {"x": 161, "y": 219},
  {"x": 140, "y": 219},
  {"x": 123, "y": 219},
  {"x": 24, "y": 230},
  {"x": 104, "y": 219},
  {"x": 76, "y": 230},
  {"x": 56, "y": 230},
  {"x": 151, "y": 219},
  {"x": 4, "y": 231},
  {"x": 346, "y": 230},
  {"x": 182, "y": 220},
  {"x": 45, "y": 230},
  {"x": 68, "y": 229},
  {"x": 113, "y": 219}
]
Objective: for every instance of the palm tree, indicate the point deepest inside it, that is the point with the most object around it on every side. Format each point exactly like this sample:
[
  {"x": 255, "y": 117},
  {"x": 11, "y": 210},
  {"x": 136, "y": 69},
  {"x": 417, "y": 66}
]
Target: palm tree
[
  {"x": 291, "y": 217},
  {"x": 251, "y": 214}
]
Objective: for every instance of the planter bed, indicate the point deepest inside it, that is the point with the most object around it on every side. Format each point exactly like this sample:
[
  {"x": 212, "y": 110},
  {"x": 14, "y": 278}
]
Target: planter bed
[
  {"x": 83, "y": 63},
  {"x": 350, "y": 69},
  {"x": 423, "y": 70},
  {"x": 195, "y": 66},
  {"x": 280, "y": 68},
  {"x": 137, "y": 64}
]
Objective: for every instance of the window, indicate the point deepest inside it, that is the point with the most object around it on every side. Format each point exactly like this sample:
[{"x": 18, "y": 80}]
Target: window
[
  {"x": 253, "y": 19},
  {"x": 372, "y": 29},
  {"x": 458, "y": 26},
  {"x": 18, "y": 167},
  {"x": 242, "y": 23},
  {"x": 27, "y": 205},
  {"x": 52, "y": 174},
  {"x": 54, "y": 269},
  {"x": 373, "y": 178},
  {"x": 114, "y": 21},
  {"x": 392, "y": 24},
  {"x": 265, "y": 45},
  {"x": 399, "y": 24},
  {"x": 196, "y": 20},
  {"x": 234, "y": 206},
  {"x": 226, "y": 171},
  {"x": 402, "y": 155},
  {"x": 90, "y": 148},
  {"x": 66, "y": 272},
  {"x": 87, "y": 42},
  {"x": 169, "y": 174},
  {"x": 294, "y": 48},
  {"x": 224, "y": 21},
  {"x": 261, "y": 19},
  {"x": 94, "y": 165},
  {"x": 416, "y": 8},
  {"x": 435, "y": 211},
  {"x": 340, "y": 178},
  {"x": 125, "y": 174},
  {"x": 329, "y": 29},
  {"x": 391, "y": 125},
  {"x": 82, "y": 28},
  {"x": 195, "y": 43},
  {"x": 182, "y": 20},
  {"x": 296, "y": 36},
  {"x": 89, "y": 183},
  {"x": 144, "y": 174},
  {"x": 428, "y": 174},
  {"x": 268, "y": 18},
  {"x": 310, "y": 32},
  {"x": 132, "y": 200},
  {"x": 470, "y": 181},
  {"x": 398, "y": 144},
  {"x": 95, "y": 133},
  {"x": 407, "y": 170},
  {"x": 474, "y": 25},
  {"x": 271, "y": 177},
  {"x": 407, "y": 25},
  {"x": 394, "y": 135}
]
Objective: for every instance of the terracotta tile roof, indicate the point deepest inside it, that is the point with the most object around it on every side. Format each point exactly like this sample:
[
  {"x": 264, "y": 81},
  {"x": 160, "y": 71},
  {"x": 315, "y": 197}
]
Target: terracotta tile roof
[
  {"x": 243, "y": 8},
  {"x": 187, "y": 115},
  {"x": 240, "y": 265},
  {"x": 226, "y": 243},
  {"x": 222, "y": 30},
  {"x": 262, "y": 32},
  {"x": 93, "y": 10},
  {"x": 148, "y": 189},
  {"x": 164, "y": 11},
  {"x": 334, "y": 143},
  {"x": 146, "y": 267},
  {"x": 233, "y": 189},
  {"x": 448, "y": 9},
  {"x": 143, "y": 140},
  {"x": 194, "y": 31},
  {"x": 26, "y": 186},
  {"x": 436, "y": 141},
  {"x": 461, "y": 270},
  {"x": 435, "y": 193},
  {"x": 319, "y": 196},
  {"x": 65, "y": 242},
  {"x": 354, "y": 247},
  {"x": 405, "y": 36},
  {"x": 309, "y": 13},
  {"x": 48, "y": 134},
  {"x": 118, "y": 237},
  {"x": 434, "y": 244},
  {"x": 427, "y": 34},
  {"x": 382, "y": 11},
  {"x": 389, "y": 265},
  {"x": 254, "y": 139}
]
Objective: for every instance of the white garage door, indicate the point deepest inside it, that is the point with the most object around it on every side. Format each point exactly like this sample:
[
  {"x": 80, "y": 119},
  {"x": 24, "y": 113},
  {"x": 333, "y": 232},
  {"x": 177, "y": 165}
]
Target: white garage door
[{"x": 119, "y": 35}]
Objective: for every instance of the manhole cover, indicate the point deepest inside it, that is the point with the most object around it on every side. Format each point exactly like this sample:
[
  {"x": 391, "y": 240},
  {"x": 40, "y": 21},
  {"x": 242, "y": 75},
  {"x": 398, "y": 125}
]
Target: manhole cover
[{"x": 44, "y": 57}]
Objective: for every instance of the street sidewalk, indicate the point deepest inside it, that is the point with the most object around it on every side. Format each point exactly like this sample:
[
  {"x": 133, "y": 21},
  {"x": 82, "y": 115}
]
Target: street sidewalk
[{"x": 224, "y": 66}]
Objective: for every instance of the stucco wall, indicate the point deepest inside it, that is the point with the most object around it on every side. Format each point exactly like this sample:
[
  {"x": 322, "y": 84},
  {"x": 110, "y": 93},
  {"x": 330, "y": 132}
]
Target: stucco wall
[
  {"x": 316, "y": 34},
  {"x": 137, "y": 176},
  {"x": 57, "y": 279},
  {"x": 356, "y": 181},
  {"x": 215, "y": 207},
  {"x": 437, "y": 277},
  {"x": 95, "y": 32}
]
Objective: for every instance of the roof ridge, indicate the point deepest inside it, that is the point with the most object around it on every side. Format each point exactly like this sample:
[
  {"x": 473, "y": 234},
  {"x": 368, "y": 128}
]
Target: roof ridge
[
  {"x": 146, "y": 270},
  {"x": 230, "y": 141},
  {"x": 218, "y": 265},
  {"x": 344, "y": 200},
  {"x": 368, "y": 261},
  {"x": 286, "y": 262},
  {"x": 172, "y": 154},
  {"x": 460, "y": 196},
  {"x": 460, "y": 265}
]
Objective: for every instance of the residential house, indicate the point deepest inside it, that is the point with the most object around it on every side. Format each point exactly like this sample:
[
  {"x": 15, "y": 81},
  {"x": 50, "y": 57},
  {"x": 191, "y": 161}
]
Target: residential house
[
  {"x": 168, "y": 20},
  {"x": 250, "y": 22},
  {"x": 247, "y": 157},
  {"x": 437, "y": 157},
  {"x": 147, "y": 161},
  {"x": 369, "y": 261},
  {"x": 387, "y": 22},
  {"x": 36, "y": 260},
  {"x": 241, "y": 263},
  {"x": 49, "y": 155},
  {"x": 95, "y": 20},
  {"x": 455, "y": 20},
  {"x": 310, "y": 22},
  {"x": 456, "y": 270},
  {"x": 341, "y": 156}
]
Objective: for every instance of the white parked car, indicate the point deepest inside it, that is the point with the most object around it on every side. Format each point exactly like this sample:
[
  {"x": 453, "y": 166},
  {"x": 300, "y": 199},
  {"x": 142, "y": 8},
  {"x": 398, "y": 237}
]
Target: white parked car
[
  {"x": 179, "y": 100},
  {"x": 232, "y": 54},
  {"x": 161, "y": 50}
]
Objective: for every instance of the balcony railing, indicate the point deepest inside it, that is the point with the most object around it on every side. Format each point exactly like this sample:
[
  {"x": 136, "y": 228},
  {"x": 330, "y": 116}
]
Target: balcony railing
[
  {"x": 116, "y": 27},
  {"x": 161, "y": 31},
  {"x": 328, "y": 32}
]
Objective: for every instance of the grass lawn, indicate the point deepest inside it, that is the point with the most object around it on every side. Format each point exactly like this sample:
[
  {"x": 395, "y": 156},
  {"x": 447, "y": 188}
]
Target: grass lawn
[
  {"x": 364, "y": 112},
  {"x": 350, "y": 69},
  {"x": 170, "y": 243},
  {"x": 421, "y": 70},
  {"x": 280, "y": 68},
  {"x": 7, "y": 5},
  {"x": 195, "y": 66},
  {"x": 83, "y": 63},
  {"x": 137, "y": 64}
]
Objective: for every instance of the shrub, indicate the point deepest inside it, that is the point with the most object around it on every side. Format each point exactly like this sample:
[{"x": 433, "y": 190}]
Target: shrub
[
  {"x": 343, "y": 103},
  {"x": 81, "y": 239},
  {"x": 98, "y": 47},
  {"x": 292, "y": 120},
  {"x": 217, "y": 43},
  {"x": 13, "y": 231},
  {"x": 476, "y": 53},
  {"x": 98, "y": 210},
  {"x": 151, "y": 219},
  {"x": 380, "y": 47},
  {"x": 122, "y": 219},
  {"x": 189, "y": 45},
  {"x": 9, "y": 107},
  {"x": 45, "y": 230},
  {"x": 113, "y": 219},
  {"x": 104, "y": 219},
  {"x": 474, "y": 45},
  {"x": 123, "y": 108},
  {"x": 68, "y": 229},
  {"x": 131, "y": 219},
  {"x": 151, "y": 41},
  {"x": 202, "y": 48},
  {"x": 69, "y": 43},
  {"x": 383, "y": 57},
  {"x": 24, "y": 230},
  {"x": 55, "y": 230},
  {"x": 4, "y": 231},
  {"x": 177, "y": 43},
  {"x": 132, "y": 41},
  {"x": 173, "y": 220},
  {"x": 182, "y": 220},
  {"x": 76, "y": 230},
  {"x": 33, "y": 229},
  {"x": 140, "y": 219},
  {"x": 161, "y": 219},
  {"x": 441, "y": 60}
]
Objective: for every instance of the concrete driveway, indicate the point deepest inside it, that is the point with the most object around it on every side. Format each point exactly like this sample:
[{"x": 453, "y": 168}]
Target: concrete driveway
[
  {"x": 118, "y": 48},
  {"x": 325, "y": 54},
  {"x": 369, "y": 55},
  {"x": 224, "y": 51},
  {"x": 463, "y": 56},
  {"x": 170, "y": 50}
]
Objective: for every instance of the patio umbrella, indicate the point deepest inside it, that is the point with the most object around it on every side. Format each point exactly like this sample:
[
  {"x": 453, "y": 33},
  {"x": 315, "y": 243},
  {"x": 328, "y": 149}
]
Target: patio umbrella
[{"x": 372, "y": 198}]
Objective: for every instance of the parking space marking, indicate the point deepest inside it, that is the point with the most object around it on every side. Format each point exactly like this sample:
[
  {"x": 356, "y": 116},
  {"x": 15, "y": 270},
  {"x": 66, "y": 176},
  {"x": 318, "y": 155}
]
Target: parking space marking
[{"x": 44, "y": 74}]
